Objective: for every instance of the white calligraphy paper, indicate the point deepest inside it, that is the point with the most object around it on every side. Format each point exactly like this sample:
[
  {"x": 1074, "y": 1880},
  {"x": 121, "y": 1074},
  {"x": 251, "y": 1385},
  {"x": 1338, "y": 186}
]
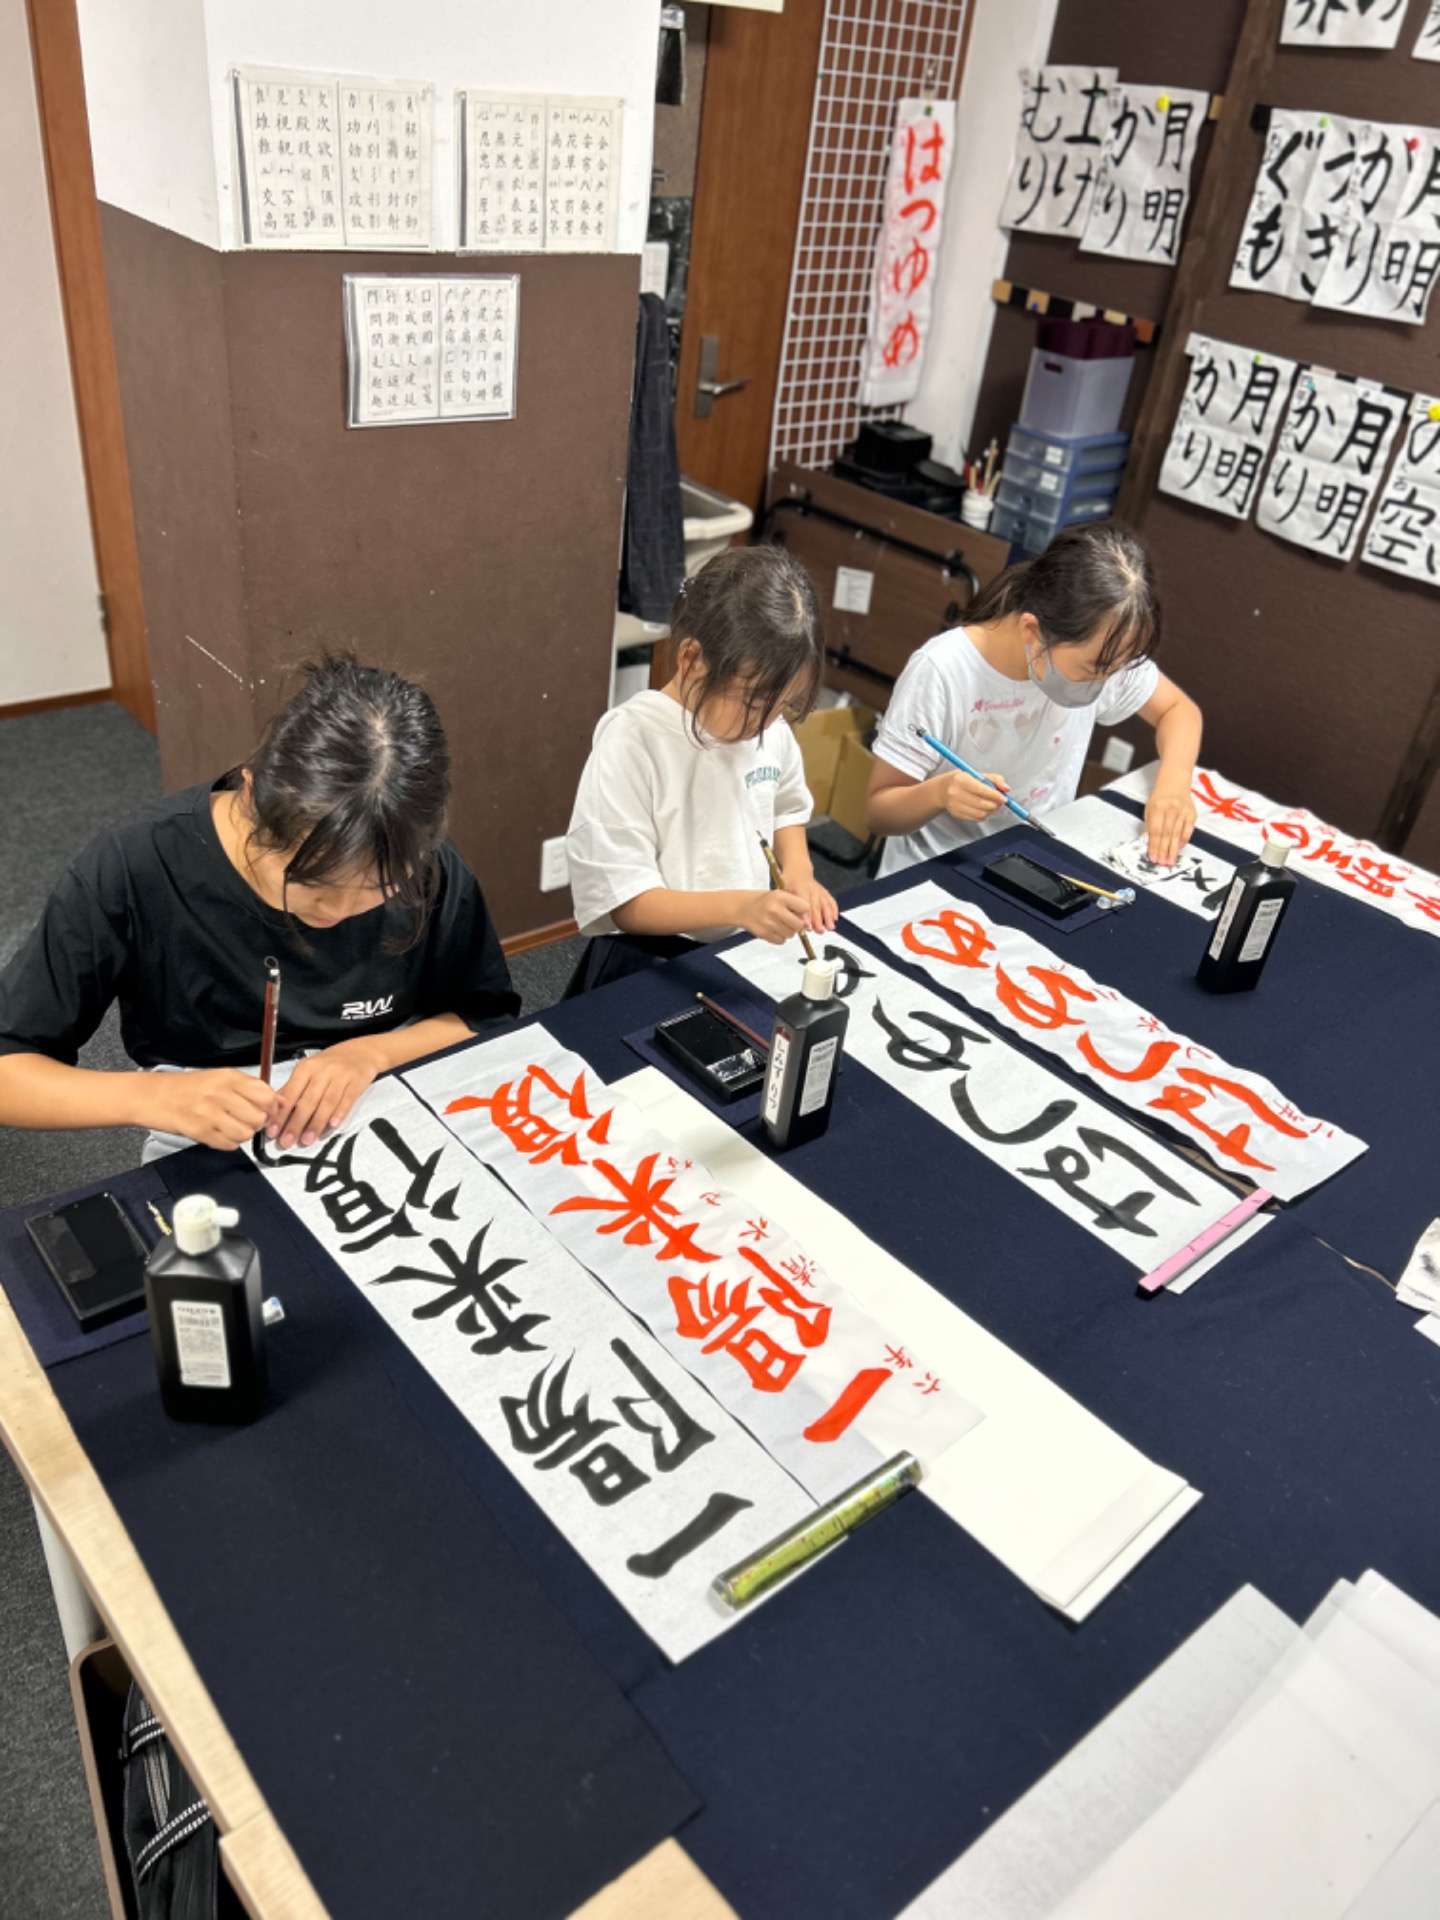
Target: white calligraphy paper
[
  {"x": 582, "y": 175},
  {"x": 502, "y": 172},
  {"x": 1419, "y": 1285},
  {"x": 1063, "y": 122},
  {"x": 1427, "y": 45},
  {"x": 1329, "y": 459},
  {"x": 1137, "y": 209},
  {"x": 1197, "y": 881},
  {"x": 1342, "y": 23},
  {"x": 1057, "y": 1496},
  {"x": 651, "y": 1482},
  {"x": 1354, "y": 867},
  {"x": 902, "y": 287},
  {"x": 426, "y": 348},
  {"x": 1404, "y": 532},
  {"x": 1233, "y": 402},
  {"x": 828, "y": 1391},
  {"x": 331, "y": 162},
  {"x": 1122, "y": 1185},
  {"x": 1235, "y": 1116}
]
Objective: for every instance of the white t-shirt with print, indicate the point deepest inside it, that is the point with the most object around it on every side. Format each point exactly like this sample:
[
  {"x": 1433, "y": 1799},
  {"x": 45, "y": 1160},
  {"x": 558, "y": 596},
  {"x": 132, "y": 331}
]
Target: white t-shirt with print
[
  {"x": 656, "y": 809},
  {"x": 1000, "y": 726}
]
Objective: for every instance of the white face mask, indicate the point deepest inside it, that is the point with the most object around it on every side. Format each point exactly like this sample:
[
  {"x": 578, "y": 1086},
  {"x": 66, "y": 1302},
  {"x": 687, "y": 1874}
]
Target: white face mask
[{"x": 1060, "y": 691}]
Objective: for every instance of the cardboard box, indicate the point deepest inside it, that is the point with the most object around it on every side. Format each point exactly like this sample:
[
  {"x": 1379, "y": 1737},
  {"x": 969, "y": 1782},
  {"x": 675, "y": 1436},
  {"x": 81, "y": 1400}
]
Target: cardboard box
[
  {"x": 838, "y": 764},
  {"x": 852, "y": 784}
]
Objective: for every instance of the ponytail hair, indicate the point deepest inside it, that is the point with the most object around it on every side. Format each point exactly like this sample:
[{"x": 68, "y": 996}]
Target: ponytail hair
[
  {"x": 352, "y": 777},
  {"x": 1091, "y": 580}
]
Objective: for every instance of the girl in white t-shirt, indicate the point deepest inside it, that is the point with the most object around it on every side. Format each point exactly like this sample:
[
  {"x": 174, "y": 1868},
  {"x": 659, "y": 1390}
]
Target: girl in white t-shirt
[
  {"x": 1048, "y": 648},
  {"x": 664, "y": 843}
]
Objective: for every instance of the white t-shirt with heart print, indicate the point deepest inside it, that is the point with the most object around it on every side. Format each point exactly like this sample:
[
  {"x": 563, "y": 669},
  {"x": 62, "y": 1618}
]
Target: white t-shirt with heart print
[{"x": 1000, "y": 726}]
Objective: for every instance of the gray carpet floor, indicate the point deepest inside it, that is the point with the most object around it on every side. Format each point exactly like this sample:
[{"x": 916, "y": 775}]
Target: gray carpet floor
[{"x": 63, "y": 776}]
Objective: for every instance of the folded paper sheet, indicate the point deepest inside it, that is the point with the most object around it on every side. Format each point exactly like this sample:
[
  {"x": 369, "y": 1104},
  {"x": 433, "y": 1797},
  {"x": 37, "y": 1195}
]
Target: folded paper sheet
[
  {"x": 1237, "y": 1117},
  {"x": 652, "y": 1483},
  {"x": 1198, "y": 882},
  {"x": 1058, "y": 1497},
  {"x": 739, "y": 1303},
  {"x": 1354, "y": 867},
  {"x": 1128, "y": 1189}
]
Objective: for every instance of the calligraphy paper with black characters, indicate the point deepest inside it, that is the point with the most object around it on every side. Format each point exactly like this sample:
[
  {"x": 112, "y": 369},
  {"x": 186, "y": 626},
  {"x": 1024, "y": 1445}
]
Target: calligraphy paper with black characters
[
  {"x": 651, "y": 1482},
  {"x": 827, "y": 1390},
  {"x": 1064, "y": 118},
  {"x": 1196, "y": 881},
  {"x": 907, "y": 253},
  {"x": 1299, "y": 203},
  {"x": 1404, "y": 531},
  {"x": 502, "y": 172},
  {"x": 1355, "y": 867},
  {"x": 322, "y": 161},
  {"x": 582, "y": 175},
  {"x": 1427, "y": 45},
  {"x": 1122, "y": 1185},
  {"x": 1137, "y": 208},
  {"x": 1329, "y": 459},
  {"x": 1233, "y": 402},
  {"x": 424, "y": 348},
  {"x": 1236, "y": 1117},
  {"x": 1342, "y": 23}
]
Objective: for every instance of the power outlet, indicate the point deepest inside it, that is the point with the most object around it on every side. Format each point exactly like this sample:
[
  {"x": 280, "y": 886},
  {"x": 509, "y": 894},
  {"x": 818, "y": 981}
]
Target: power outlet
[
  {"x": 1118, "y": 755},
  {"x": 554, "y": 867}
]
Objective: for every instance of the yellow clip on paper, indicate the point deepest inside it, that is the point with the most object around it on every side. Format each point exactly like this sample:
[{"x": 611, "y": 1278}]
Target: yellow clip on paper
[
  {"x": 1435, "y": 409},
  {"x": 1163, "y": 103}
]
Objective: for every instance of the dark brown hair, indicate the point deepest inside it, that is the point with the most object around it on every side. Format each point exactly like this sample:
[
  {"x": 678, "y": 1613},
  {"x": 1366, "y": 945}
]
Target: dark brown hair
[
  {"x": 352, "y": 777},
  {"x": 1089, "y": 580},
  {"x": 753, "y": 613}
]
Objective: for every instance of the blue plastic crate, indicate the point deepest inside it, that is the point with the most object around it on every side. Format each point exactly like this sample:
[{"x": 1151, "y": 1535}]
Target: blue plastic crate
[{"x": 1089, "y": 453}]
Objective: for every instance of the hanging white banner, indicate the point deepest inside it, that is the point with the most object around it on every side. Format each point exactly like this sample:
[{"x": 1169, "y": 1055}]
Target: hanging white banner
[{"x": 907, "y": 254}]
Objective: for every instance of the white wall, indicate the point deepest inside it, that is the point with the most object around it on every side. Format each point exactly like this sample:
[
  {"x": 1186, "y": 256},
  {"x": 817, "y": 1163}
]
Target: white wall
[
  {"x": 51, "y": 641},
  {"x": 1006, "y": 35},
  {"x": 186, "y": 47}
]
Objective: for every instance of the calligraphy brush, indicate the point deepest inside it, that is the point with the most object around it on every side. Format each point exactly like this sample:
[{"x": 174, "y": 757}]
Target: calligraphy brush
[
  {"x": 271, "y": 1017},
  {"x": 1125, "y": 897},
  {"x": 777, "y": 879},
  {"x": 964, "y": 766},
  {"x": 734, "y": 1020}
]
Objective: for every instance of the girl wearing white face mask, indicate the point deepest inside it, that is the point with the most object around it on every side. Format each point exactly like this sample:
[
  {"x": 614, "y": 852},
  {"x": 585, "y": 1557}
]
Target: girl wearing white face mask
[{"x": 1048, "y": 648}]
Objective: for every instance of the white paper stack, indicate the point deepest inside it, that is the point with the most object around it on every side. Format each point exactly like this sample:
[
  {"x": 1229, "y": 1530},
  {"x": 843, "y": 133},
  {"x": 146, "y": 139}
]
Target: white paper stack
[{"x": 1263, "y": 1772}]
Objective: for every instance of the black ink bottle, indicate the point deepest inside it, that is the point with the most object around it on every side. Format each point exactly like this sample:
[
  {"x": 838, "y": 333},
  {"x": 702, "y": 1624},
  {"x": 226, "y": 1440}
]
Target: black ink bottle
[
  {"x": 1245, "y": 932},
  {"x": 804, "y": 1054},
  {"x": 202, "y": 1288}
]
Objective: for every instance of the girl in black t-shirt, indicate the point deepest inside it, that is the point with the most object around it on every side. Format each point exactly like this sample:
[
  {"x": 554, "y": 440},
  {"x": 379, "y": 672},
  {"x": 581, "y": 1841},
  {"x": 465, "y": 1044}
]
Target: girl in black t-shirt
[{"x": 325, "y": 850}]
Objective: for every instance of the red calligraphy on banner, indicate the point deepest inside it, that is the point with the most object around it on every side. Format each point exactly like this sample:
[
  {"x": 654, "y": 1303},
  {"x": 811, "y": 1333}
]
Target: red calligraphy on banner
[
  {"x": 640, "y": 1213},
  {"x": 538, "y": 1138},
  {"x": 906, "y": 256}
]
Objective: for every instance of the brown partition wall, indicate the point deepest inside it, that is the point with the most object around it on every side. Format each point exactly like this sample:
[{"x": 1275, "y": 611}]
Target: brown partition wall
[{"x": 478, "y": 556}]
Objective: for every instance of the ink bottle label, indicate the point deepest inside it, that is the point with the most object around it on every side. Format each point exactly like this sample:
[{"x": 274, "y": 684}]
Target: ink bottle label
[
  {"x": 200, "y": 1348},
  {"x": 775, "y": 1082},
  {"x": 819, "y": 1068},
  {"x": 1222, "y": 925},
  {"x": 1257, "y": 936}
]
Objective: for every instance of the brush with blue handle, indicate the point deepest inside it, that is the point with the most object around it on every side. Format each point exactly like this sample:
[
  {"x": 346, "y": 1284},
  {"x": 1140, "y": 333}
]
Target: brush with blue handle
[{"x": 964, "y": 766}]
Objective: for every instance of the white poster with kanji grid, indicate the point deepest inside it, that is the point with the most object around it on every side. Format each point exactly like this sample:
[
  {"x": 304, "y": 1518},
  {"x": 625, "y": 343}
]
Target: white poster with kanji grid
[
  {"x": 1233, "y": 402},
  {"x": 829, "y": 1392},
  {"x": 1137, "y": 210},
  {"x": 656, "y": 1487},
  {"x": 1329, "y": 459},
  {"x": 907, "y": 254},
  {"x": 1404, "y": 532}
]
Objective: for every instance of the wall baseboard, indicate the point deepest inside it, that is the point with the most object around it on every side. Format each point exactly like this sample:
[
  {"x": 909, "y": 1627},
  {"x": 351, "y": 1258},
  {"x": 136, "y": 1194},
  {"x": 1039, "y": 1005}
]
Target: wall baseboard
[
  {"x": 538, "y": 937},
  {"x": 17, "y": 708}
]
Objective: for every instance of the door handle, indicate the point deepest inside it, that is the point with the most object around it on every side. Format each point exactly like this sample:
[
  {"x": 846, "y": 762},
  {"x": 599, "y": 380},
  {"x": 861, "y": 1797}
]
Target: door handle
[{"x": 708, "y": 388}]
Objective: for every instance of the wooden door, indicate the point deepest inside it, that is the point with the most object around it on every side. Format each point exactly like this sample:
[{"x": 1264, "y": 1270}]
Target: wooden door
[{"x": 754, "y": 132}]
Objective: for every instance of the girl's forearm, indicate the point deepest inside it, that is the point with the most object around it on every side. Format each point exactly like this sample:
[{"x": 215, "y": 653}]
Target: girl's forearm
[
  {"x": 667, "y": 910},
  {"x": 36, "y": 1091},
  {"x": 792, "y": 850},
  {"x": 907, "y": 808},
  {"x": 425, "y": 1036},
  {"x": 1177, "y": 739}
]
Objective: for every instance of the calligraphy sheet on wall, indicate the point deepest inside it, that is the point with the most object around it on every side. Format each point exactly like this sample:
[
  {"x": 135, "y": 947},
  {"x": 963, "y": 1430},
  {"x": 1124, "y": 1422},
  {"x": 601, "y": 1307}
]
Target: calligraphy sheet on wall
[
  {"x": 1197, "y": 881},
  {"x": 427, "y": 348},
  {"x": 1137, "y": 209},
  {"x": 1427, "y": 45},
  {"x": 582, "y": 175},
  {"x": 1335, "y": 859},
  {"x": 828, "y": 1391},
  {"x": 1236, "y": 1117},
  {"x": 322, "y": 161},
  {"x": 1233, "y": 402},
  {"x": 1120, "y": 1184},
  {"x": 1058, "y": 1497},
  {"x": 1404, "y": 532},
  {"x": 651, "y": 1482},
  {"x": 1343, "y": 214},
  {"x": 1063, "y": 123},
  {"x": 902, "y": 289},
  {"x": 1329, "y": 459},
  {"x": 502, "y": 172},
  {"x": 1342, "y": 23}
]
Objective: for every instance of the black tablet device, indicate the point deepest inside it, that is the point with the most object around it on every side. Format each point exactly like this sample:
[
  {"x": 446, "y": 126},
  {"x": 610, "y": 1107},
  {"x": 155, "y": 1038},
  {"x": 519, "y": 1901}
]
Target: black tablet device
[{"x": 94, "y": 1255}]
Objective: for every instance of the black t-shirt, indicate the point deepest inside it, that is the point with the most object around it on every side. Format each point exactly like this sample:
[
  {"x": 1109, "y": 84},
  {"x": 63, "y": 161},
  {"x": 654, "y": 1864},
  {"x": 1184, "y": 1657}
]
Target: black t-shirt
[{"x": 154, "y": 914}]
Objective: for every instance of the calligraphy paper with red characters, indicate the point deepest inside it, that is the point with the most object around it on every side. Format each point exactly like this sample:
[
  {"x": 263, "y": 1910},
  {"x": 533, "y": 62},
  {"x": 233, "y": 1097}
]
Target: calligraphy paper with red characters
[
  {"x": 1355, "y": 867},
  {"x": 1128, "y": 1189},
  {"x": 828, "y": 1391},
  {"x": 1237, "y": 1117},
  {"x": 651, "y": 1482},
  {"x": 907, "y": 256}
]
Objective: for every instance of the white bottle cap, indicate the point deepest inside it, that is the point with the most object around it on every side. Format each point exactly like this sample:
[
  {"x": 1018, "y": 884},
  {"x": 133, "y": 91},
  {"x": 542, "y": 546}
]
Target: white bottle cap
[
  {"x": 197, "y": 1222},
  {"x": 818, "y": 980},
  {"x": 1275, "y": 852}
]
